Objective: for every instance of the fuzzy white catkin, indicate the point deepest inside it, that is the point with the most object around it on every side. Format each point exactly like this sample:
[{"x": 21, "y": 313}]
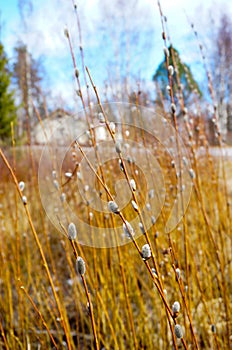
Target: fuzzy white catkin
[
  {"x": 176, "y": 307},
  {"x": 63, "y": 197},
  {"x": 68, "y": 174},
  {"x": 21, "y": 186},
  {"x": 192, "y": 173},
  {"x": 148, "y": 206},
  {"x": 185, "y": 162},
  {"x": 113, "y": 207},
  {"x": 121, "y": 165},
  {"x": 56, "y": 184},
  {"x": 170, "y": 70},
  {"x": 154, "y": 272},
  {"x": 88, "y": 134},
  {"x": 79, "y": 176},
  {"x": 153, "y": 220},
  {"x": 173, "y": 107},
  {"x": 80, "y": 266},
  {"x": 146, "y": 251},
  {"x": 118, "y": 147},
  {"x": 178, "y": 273},
  {"x": 142, "y": 229},
  {"x": 166, "y": 52},
  {"x": 72, "y": 231},
  {"x": 112, "y": 127},
  {"x": 128, "y": 229},
  {"x": 133, "y": 185},
  {"x": 178, "y": 331},
  {"x": 24, "y": 199},
  {"x": 101, "y": 117},
  {"x": 134, "y": 205}
]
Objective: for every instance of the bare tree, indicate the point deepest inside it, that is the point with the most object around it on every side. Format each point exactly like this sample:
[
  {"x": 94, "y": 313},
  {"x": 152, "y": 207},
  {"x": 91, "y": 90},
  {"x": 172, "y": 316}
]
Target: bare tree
[
  {"x": 222, "y": 71},
  {"x": 27, "y": 76}
]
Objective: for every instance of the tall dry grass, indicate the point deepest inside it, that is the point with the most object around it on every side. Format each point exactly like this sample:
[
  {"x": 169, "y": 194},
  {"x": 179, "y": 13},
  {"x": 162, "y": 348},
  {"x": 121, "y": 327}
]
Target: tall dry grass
[{"x": 160, "y": 290}]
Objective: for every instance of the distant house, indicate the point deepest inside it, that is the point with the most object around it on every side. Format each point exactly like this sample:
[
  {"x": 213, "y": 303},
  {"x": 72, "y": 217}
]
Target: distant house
[{"x": 61, "y": 127}]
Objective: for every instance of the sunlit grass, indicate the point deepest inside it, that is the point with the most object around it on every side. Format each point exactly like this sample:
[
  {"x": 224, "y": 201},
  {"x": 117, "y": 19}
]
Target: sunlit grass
[{"x": 152, "y": 288}]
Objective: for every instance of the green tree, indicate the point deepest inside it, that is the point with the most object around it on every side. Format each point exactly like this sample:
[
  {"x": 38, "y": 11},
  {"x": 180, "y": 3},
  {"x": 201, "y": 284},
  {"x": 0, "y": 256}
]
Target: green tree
[
  {"x": 7, "y": 105},
  {"x": 182, "y": 79}
]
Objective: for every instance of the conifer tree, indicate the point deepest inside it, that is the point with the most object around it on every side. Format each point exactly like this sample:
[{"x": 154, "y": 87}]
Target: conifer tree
[
  {"x": 7, "y": 104},
  {"x": 186, "y": 78}
]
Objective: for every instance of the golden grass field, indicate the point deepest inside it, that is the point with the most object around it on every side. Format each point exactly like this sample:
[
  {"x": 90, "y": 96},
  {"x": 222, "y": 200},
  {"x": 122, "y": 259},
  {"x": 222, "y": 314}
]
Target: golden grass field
[
  {"x": 118, "y": 278},
  {"x": 122, "y": 301}
]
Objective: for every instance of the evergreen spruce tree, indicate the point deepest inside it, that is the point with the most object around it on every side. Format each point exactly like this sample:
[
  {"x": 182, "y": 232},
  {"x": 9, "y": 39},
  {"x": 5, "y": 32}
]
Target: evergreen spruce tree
[
  {"x": 7, "y": 105},
  {"x": 186, "y": 78}
]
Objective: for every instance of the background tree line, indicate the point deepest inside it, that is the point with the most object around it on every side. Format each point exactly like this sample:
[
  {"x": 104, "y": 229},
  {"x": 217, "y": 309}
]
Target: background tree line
[{"x": 21, "y": 81}]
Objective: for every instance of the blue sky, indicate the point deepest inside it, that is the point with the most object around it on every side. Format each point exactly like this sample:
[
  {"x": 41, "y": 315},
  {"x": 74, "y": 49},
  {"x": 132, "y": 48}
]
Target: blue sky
[{"x": 103, "y": 26}]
